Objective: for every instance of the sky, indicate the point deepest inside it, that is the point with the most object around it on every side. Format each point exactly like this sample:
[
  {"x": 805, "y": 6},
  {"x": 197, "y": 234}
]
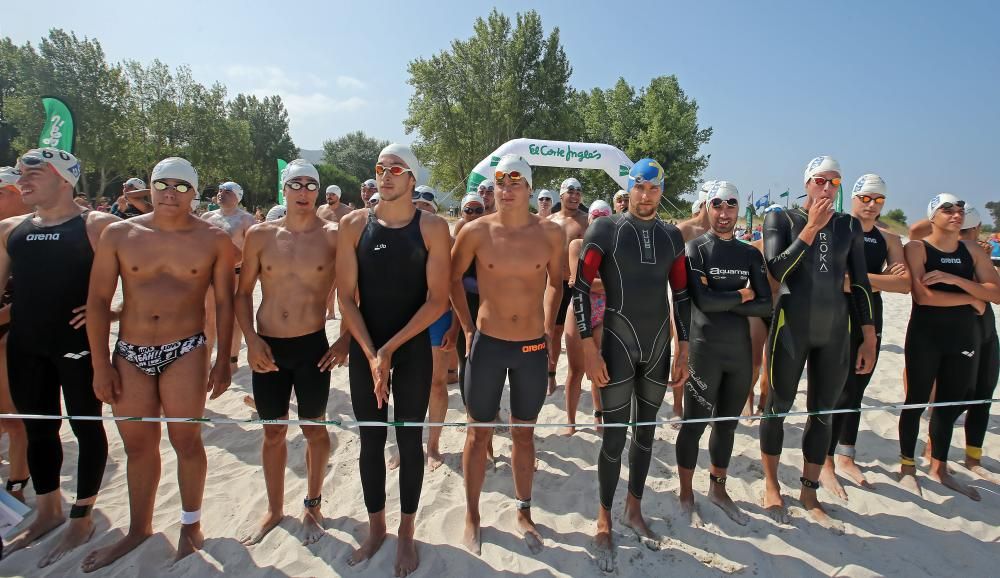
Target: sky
[{"x": 908, "y": 90}]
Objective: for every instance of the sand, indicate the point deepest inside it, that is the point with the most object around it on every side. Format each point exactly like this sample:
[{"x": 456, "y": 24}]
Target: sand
[{"x": 888, "y": 530}]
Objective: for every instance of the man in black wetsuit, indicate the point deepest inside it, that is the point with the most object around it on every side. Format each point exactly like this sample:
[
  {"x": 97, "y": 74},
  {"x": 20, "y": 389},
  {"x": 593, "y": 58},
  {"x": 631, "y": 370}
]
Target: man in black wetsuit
[
  {"x": 809, "y": 250},
  {"x": 728, "y": 283},
  {"x": 396, "y": 260},
  {"x": 636, "y": 255},
  {"x": 887, "y": 271},
  {"x": 51, "y": 252}
]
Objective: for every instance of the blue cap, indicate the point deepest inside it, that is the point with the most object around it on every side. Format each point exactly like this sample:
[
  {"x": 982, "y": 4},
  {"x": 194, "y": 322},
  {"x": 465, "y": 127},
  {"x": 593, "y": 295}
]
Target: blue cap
[{"x": 645, "y": 171}]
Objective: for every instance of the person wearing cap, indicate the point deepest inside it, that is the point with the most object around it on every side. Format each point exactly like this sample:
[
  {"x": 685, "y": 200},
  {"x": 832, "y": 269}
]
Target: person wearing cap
[
  {"x": 573, "y": 222},
  {"x": 11, "y": 205},
  {"x": 985, "y": 381},
  {"x": 519, "y": 294},
  {"x": 133, "y": 200},
  {"x": 368, "y": 188},
  {"x": 392, "y": 283},
  {"x": 294, "y": 259},
  {"x": 276, "y": 212},
  {"x": 167, "y": 259},
  {"x": 728, "y": 284},
  {"x": 809, "y": 250},
  {"x": 485, "y": 190},
  {"x": 373, "y": 200},
  {"x": 638, "y": 257},
  {"x": 472, "y": 208},
  {"x": 698, "y": 224},
  {"x": 333, "y": 210},
  {"x": 235, "y": 221},
  {"x": 621, "y": 201},
  {"x": 545, "y": 198},
  {"x": 50, "y": 251},
  {"x": 886, "y": 266}
]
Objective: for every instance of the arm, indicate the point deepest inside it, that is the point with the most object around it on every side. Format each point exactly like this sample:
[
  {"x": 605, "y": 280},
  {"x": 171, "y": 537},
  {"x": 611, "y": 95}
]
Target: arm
[
  {"x": 916, "y": 256},
  {"x": 705, "y": 298},
  {"x": 920, "y": 230},
  {"x": 988, "y": 286},
  {"x": 222, "y": 286},
  {"x": 682, "y": 305},
  {"x": 258, "y": 353},
  {"x": 857, "y": 270},
  {"x": 782, "y": 255},
  {"x": 554, "y": 289},
  {"x": 103, "y": 284},
  {"x": 462, "y": 254},
  {"x": 347, "y": 281},
  {"x": 138, "y": 200},
  {"x": 896, "y": 279},
  {"x": 761, "y": 305},
  {"x": 590, "y": 256}
]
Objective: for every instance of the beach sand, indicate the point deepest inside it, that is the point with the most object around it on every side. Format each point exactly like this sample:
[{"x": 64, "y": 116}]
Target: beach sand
[{"x": 888, "y": 530}]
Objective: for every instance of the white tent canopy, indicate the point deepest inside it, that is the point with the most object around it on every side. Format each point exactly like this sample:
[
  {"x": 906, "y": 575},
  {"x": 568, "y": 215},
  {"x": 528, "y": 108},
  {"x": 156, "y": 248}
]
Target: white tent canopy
[{"x": 554, "y": 153}]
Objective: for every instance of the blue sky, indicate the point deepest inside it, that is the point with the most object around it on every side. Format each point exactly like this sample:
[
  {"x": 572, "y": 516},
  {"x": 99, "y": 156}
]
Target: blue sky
[{"x": 908, "y": 90}]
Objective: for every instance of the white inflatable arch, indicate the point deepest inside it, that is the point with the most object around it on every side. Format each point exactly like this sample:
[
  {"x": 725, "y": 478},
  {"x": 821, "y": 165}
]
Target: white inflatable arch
[{"x": 554, "y": 153}]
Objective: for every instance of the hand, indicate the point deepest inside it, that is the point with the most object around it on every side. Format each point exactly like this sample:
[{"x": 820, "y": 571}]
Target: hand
[
  {"x": 932, "y": 277},
  {"x": 80, "y": 317},
  {"x": 594, "y": 365},
  {"x": 381, "y": 364},
  {"x": 679, "y": 373},
  {"x": 259, "y": 355},
  {"x": 468, "y": 343},
  {"x": 219, "y": 378},
  {"x": 897, "y": 269},
  {"x": 746, "y": 294},
  {"x": 336, "y": 356},
  {"x": 107, "y": 384},
  {"x": 820, "y": 213},
  {"x": 980, "y": 306},
  {"x": 450, "y": 338},
  {"x": 866, "y": 355}
]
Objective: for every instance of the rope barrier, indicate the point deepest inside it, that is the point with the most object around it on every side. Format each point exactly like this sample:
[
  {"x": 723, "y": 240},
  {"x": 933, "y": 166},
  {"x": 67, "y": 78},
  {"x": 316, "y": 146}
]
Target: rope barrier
[{"x": 348, "y": 424}]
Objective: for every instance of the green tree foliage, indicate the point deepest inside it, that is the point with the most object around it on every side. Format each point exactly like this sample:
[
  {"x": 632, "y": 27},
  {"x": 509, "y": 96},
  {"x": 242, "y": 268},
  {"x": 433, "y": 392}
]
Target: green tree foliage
[
  {"x": 994, "y": 208},
  {"x": 350, "y": 186},
  {"x": 896, "y": 215},
  {"x": 355, "y": 153}
]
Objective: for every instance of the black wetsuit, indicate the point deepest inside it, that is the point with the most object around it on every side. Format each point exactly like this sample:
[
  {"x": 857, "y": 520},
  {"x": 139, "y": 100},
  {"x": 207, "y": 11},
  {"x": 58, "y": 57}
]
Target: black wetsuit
[
  {"x": 845, "y": 425},
  {"x": 636, "y": 259},
  {"x": 811, "y": 321},
  {"x": 44, "y": 352},
  {"x": 392, "y": 286},
  {"x": 942, "y": 344},
  {"x": 978, "y": 418},
  {"x": 721, "y": 353}
]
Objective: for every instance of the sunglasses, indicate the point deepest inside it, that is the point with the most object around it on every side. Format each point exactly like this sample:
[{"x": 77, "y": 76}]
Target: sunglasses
[
  {"x": 179, "y": 187},
  {"x": 485, "y": 189},
  {"x": 947, "y": 206},
  {"x": 424, "y": 196},
  {"x": 544, "y": 200},
  {"x": 573, "y": 190},
  {"x": 515, "y": 176},
  {"x": 868, "y": 198},
  {"x": 394, "y": 170},
  {"x": 473, "y": 210},
  {"x": 822, "y": 181},
  {"x": 372, "y": 202},
  {"x": 295, "y": 186},
  {"x": 716, "y": 203}
]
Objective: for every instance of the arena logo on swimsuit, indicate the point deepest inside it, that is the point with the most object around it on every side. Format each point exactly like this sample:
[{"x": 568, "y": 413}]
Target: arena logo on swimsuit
[
  {"x": 532, "y": 348},
  {"x": 952, "y": 260},
  {"x": 824, "y": 250},
  {"x": 42, "y": 237}
]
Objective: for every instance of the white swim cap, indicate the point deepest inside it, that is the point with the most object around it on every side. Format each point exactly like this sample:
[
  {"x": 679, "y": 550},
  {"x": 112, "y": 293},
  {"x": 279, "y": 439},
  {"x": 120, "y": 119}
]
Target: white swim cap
[
  {"x": 972, "y": 218},
  {"x": 405, "y": 154},
  {"x": 333, "y": 189},
  {"x": 600, "y": 208},
  {"x": 620, "y": 193},
  {"x": 570, "y": 182},
  {"x": 472, "y": 198},
  {"x": 510, "y": 163},
  {"x": 374, "y": 199},
  {"x": 723, "y": 190},
  {"x": 487, "y": 184},
  {"x": 9, "y": 177},
  {"x": 707, "y": 186},
  {"x": 820, "y": 165},
  {"x": 235, "y": 188},
  {"x": 66, "y": 165},
  {"x": 425, "y": 194},
  {"x": 299, "y": 168},
  {"x": 135, "y": 183},
  {"x": 546, "y": 194},
  {"x": 369, "y": 184},
  {"x": 276, "y": 212},
  {"x": 697, "y": 205},
  {"x": 941, "y": 199},
  {"x": 869, "y": 184},
  {"x": 175, "y": 168}
]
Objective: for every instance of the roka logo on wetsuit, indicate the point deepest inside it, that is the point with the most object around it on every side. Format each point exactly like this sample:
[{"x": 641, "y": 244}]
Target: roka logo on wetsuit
[{"x": 824, "y": 253}]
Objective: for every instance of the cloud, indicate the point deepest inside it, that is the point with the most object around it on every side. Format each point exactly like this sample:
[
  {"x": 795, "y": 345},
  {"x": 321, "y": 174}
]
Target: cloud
[{"x": 350, "y": 82}]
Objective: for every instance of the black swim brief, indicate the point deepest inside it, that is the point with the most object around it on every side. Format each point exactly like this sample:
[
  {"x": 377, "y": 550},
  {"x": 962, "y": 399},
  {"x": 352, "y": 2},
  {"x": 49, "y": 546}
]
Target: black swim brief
[{"x": 154, "y": 359}]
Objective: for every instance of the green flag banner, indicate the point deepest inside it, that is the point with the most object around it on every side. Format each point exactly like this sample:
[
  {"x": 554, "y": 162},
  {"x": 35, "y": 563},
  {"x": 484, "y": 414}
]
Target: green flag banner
[
  {"x": 786, "y": 195},
  {"x": 749, "y": 218},
  {"x": 281, "y": 168},
  {"x": 58, "y": 129},
  {"x": 838, "y": 205}
]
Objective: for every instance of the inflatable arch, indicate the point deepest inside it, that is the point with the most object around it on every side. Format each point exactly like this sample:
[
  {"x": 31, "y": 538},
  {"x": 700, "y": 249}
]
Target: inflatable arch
[{"x": 554, "y": 153}]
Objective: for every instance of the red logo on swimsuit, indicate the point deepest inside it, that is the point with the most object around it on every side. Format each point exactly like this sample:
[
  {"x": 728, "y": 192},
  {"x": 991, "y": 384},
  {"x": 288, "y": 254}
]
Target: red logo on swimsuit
[{"x": 532, "y": 348}]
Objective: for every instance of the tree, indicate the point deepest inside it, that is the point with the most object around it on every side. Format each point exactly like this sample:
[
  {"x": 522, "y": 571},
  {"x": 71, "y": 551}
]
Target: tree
[
  {"x": 896, "y": 215},
  {"x": 350, "y": 187},
  {"x": 266, "y": 121},
  {"x": 994, "y": 208},
  {"x": 355, "y": 153}
]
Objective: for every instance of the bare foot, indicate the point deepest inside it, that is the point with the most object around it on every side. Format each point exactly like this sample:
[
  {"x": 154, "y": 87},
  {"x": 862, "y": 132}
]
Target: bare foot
[
  {"x": 434, "y": 459},
  {"x": 472, "y": 538},
  {"x": 819, "y": 515},
  {"x": 976, "y": 467},
  {"x": 312, "y": 524},
  {"x": 78, "y": 532},
  {"x": 249, "y": 402},
  {"x": 267, "y": 523},
  {"x": 774, "y": 506},
  {"x": 604, "y": 551},
  {"x": 723, "y": 501},
  {"x": 552, "y": 385},
  {"x": 676, "y": 421},
  {"x": 949, "y": 481},
  {"x": 908, "y": 479},
  {"x": 849, "y": 468},
  {"x": 528, "y": 531},
  {"x": 452, "y": 376},
  {"x": 189, "y": 541},
  {"x": 103, "y": 556},
  {"x": 38, "y": 528},
  {"x": 406, "y": 556},
  {"x": 687, "y": 509},
  {"x": 367, "y": 549},
  {"x": 634, "y": 521},
  {"x": 567, "y": 431},
  {"x": 393, "y": 462},
  {"x": 828, "y": 480}
]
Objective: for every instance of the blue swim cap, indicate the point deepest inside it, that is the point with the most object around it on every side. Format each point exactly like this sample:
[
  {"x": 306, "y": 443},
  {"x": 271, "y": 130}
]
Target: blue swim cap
[{"x": 645, "y": 171}]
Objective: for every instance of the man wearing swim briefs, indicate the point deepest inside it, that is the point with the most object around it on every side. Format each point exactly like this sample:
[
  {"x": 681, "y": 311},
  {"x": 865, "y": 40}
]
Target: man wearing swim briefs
[
  {"x": 519, "y": 259},
  {"x": 544, "y": 203},
  {"x": 11, "y": 205},
  {"x": 573, "y": 222},
  {"x": 809, "y": 250},
  {"x": 167, "y": 260},
  {"x": 886, "y": 268},
  {"x": 394, "y": 259},
  {"x": 333, "y": 210},
  {"x": 294, "y": 259},
  {"x": 727, "y": 281},
  {"x": 50, "y": 252},
  {"x": 637, "y": 257},
  {"x": 235, "y": 221}
]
